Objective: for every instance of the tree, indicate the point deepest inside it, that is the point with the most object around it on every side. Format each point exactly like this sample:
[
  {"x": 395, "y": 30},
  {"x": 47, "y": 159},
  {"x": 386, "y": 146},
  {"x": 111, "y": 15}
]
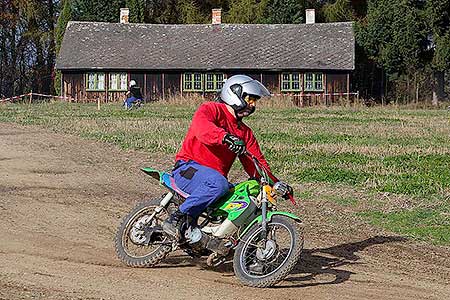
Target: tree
[
  {"x": 27, "y": 53},
  {"x": 393, "y": 34},
  {"x": 64, "y": 17},
  {"x": 246, "y": 11},
  {"x": 286, "y": 11},
  {"x": 438, "y": 17},
  {"x": 137, "y": 10},
  {"x": 97, "y": 10},
  {"x": 339, "y": 11},
  {"x": 190, "y": 12}
]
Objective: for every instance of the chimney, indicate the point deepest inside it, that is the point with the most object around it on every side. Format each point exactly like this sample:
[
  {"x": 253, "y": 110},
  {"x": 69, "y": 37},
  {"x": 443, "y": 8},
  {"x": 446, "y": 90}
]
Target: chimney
[
  {"x": 124, "y": 14},
  {"x": 310, "y": 16},
  {"x": 216, "y": 16}
]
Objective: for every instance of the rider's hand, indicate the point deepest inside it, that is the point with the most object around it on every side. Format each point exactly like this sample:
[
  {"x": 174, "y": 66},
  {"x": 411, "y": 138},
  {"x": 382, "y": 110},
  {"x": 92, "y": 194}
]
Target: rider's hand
[
  {"x": 234, "y": 143},
  {"x": 283, "y": 189}
]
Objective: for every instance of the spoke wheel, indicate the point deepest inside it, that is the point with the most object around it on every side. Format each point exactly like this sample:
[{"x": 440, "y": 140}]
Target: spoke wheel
[
  {"x": 139, "y": 239},
  {"x": 263, "y": 259}
]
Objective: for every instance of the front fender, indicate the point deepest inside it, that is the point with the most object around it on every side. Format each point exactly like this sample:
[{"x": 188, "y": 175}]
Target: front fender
[{"x": 270, "y": 214}]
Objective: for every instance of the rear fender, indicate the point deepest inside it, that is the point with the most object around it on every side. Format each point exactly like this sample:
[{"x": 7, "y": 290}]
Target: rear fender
[
  {"x": 153, "y": 173},
  {"x": 270, "y": 214}
]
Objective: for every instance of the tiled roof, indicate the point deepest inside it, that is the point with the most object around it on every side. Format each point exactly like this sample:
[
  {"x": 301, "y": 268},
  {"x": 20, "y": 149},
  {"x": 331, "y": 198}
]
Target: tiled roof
[{"x": 88, "y": 45}]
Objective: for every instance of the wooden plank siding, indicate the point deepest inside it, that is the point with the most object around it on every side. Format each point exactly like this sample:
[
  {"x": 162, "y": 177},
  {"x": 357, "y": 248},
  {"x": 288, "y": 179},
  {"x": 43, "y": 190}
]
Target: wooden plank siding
[
  {"x": 153, "y": 87},
  {"x": 156, "y": 85}
]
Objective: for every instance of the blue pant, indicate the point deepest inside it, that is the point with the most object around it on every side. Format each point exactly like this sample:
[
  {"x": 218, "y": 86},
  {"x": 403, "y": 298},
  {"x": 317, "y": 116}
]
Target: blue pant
[
  {"x": 205, "y": 185},
  {"x": 129, "y": 102}
]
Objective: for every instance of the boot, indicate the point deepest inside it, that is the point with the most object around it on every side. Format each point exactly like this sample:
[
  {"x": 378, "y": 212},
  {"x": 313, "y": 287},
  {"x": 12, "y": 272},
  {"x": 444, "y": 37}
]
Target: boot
[{"x": 172, "y": 225}]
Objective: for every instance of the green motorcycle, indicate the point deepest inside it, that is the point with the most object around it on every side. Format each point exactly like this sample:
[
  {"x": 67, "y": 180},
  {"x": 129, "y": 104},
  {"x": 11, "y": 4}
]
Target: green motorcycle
[{"x": 266, "y": 244}]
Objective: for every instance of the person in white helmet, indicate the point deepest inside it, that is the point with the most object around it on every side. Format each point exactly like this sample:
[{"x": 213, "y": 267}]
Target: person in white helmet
[
  {"x": 217, "y": 135},
  {"x": 133, "y": 95}
]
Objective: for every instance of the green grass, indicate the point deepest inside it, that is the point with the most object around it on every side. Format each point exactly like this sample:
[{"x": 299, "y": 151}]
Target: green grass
[
  {"x": 423, "y": 224},
  {"x": 404, "y": 153}
]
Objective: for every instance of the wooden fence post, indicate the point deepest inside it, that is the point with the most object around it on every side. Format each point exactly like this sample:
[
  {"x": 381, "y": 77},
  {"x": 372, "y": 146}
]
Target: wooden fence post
[{"x": 98, "y": 103}]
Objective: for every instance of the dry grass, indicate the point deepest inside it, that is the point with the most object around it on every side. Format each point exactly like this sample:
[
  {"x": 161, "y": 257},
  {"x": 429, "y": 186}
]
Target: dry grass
[{"x": 391, "y": 163}]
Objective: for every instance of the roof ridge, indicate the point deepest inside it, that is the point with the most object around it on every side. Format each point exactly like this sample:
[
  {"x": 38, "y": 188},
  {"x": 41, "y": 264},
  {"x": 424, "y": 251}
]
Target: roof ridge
[{"x": 209, "y": 24}]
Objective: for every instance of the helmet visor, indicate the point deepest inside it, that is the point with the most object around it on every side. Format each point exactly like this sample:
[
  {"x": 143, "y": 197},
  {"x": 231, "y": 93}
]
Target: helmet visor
[{"x": 255, "y": 88}]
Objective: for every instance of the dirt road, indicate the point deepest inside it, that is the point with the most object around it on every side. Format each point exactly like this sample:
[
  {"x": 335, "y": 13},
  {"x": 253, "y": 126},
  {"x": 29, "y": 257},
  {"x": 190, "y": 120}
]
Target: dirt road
[{"x": 62, "y": 197}]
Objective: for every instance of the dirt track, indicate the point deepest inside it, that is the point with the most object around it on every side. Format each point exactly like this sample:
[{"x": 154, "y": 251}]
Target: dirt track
[{"x": 61, "y": 199}]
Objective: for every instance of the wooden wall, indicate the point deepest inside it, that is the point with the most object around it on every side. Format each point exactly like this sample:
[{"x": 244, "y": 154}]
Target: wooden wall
[{"x": 156, "y": 85}]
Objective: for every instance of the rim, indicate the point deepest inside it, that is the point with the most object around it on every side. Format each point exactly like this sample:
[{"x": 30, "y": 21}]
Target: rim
[
  {"x": 251, "y": 257},
  {"x": 141, "y": 250}
]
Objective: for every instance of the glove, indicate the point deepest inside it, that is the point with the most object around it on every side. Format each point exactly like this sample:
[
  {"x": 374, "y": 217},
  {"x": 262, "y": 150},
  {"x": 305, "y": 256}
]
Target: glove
[
  {"x": 283, "y": 189},
  {"x": 234, "y": 143}
]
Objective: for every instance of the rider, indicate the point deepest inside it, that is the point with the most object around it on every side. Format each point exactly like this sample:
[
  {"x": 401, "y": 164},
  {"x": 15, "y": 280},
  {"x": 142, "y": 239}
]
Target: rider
[
  {"x": 216, "y": 136},
  {"x": 133, "y": 95}
]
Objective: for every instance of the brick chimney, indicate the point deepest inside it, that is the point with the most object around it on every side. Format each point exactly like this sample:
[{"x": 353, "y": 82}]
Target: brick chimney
[
  {"x": 310, "y": 16},
  {"x": 124, "y": 15},
  {"x": 216, "y": 16}
]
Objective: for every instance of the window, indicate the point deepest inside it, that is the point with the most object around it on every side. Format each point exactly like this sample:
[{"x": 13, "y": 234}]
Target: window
[
  {"x": 118, "y": 81},
  {"x": 95, "y": 81},
  {"x": 214, "y": 82},
  {"x": 290, "y": 82},
  {"x": 313, "y": 82},
  {"x": 193, "y": 82},
  {"x": 199, "y": 82}
]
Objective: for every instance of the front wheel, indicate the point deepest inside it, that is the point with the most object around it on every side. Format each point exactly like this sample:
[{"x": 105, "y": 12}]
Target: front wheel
[
  {"x": 264, "y": 259},
  {"x": 140, "y": 241}
]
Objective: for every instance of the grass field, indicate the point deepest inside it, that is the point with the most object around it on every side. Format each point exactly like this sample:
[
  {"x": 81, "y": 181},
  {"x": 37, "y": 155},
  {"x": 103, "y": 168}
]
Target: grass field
[{"x": 388, "y": 166}]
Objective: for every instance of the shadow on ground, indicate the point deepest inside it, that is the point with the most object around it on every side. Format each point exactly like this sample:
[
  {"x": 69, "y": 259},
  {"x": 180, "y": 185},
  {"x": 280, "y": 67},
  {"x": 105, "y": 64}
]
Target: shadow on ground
[
  {"x": 323, "y": 266},
  {"x": 318, "y": 266}
]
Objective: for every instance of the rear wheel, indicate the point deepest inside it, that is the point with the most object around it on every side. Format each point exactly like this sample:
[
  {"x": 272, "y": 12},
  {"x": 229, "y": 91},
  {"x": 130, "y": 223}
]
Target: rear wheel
[
  {"x": 262, "y": 260},
  {"x": 140, "y": 241}
]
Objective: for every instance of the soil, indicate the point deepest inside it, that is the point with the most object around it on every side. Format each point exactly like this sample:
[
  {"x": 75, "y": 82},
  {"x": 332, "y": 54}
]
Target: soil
[{"x": 62, "y": 198}]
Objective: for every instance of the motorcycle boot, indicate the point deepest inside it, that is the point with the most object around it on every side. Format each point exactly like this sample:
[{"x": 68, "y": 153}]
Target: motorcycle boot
[{"x": 173, "y": 224}]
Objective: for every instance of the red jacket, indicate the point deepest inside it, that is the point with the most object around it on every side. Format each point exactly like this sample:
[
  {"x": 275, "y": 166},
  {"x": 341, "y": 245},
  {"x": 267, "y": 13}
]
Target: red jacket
[{"x": 203, "y": 141}]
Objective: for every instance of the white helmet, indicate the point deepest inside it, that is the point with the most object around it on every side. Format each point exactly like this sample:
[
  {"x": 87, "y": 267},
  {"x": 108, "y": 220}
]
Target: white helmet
[
  {"x": 237, "y": 87},
  {"x": 132, "y": 83}
]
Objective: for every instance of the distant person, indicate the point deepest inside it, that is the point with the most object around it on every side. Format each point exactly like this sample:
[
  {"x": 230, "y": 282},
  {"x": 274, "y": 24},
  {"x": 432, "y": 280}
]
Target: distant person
[{"x": 133, "y": 94}]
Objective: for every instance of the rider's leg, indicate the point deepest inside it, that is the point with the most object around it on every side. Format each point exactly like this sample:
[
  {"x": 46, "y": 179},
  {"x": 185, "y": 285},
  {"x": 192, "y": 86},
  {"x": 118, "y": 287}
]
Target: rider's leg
[
  {"x": 129, "y": 102},
  {"x": 205, "y": 185}
]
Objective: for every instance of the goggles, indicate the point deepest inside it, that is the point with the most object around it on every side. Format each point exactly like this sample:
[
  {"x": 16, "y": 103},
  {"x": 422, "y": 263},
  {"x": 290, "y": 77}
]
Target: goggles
[{"x": 250, "y": 99}]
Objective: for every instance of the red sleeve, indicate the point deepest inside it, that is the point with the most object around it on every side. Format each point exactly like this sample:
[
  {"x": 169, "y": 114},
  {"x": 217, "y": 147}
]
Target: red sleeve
[
  {"x": 252, "y": 147},
  {"x": 204, "y": 126}
]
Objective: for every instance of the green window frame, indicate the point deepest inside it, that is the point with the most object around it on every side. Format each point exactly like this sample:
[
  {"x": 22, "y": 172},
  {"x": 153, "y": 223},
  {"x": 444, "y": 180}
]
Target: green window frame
[
  {"x": 314, "y": 82},
  {"x": 95, "y": 81},
  {"x": 213, "y": 81},
  {"x": 202, "y": 82},
  {"x": 118, "y": 82},
  {"x": 291, "y": 82},
  {"x": 193, "y": 82}
]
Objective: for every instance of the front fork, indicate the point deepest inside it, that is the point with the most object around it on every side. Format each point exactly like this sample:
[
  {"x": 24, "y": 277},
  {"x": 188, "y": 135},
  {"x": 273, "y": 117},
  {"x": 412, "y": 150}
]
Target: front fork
[
  {"x": 162, "y": 205},
  {"x": 264, "y": 202},
  {"x": 164, "y": 202}
]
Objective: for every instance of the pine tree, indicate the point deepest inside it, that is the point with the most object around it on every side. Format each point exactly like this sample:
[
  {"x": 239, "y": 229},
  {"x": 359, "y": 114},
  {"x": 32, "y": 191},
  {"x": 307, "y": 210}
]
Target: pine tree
[
  {"x": 97, "y": 10},
  {"x": 339, "y": 11},
  {"x": 392, "y": 34},
  {"x": 137, "y": 10},
  {"x": 285, "y": 11},
  {"x": 438, "y": 17},
  {"x": 64, "y": 17},
  {"x": 190, "y": 12},
  {"x": 246, "y": 11}
]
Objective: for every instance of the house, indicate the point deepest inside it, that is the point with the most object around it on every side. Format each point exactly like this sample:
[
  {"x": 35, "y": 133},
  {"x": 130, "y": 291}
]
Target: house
[{"x": 97, "y": 60}]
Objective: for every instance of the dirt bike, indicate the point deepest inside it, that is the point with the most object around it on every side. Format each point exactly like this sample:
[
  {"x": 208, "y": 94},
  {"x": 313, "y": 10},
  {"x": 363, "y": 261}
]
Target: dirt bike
[{"x": 266, "y": 244}]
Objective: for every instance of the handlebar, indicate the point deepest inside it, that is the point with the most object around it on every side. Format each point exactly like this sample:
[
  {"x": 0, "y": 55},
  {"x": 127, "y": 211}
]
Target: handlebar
[{"x": 266, "y": 174}]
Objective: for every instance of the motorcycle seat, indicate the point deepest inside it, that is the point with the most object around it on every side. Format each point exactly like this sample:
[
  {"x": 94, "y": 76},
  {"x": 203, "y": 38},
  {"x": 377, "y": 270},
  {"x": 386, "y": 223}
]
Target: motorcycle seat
[{"x": 169, "y": 181}]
